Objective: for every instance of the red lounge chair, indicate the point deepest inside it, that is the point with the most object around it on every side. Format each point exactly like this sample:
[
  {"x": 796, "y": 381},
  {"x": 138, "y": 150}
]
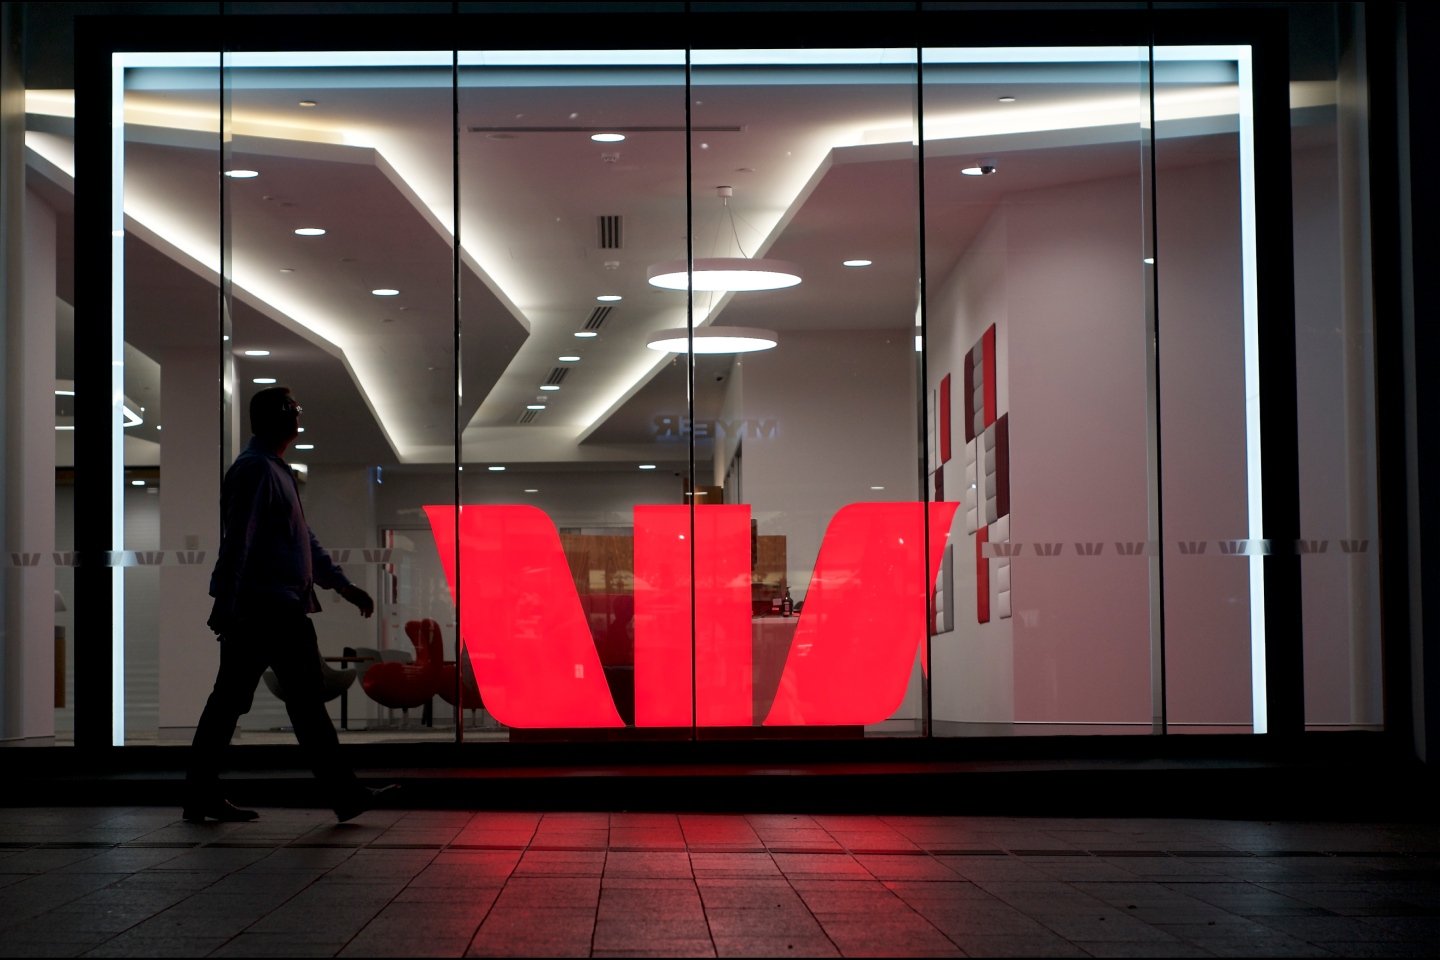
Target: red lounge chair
[{"x": 406, "y": 685}]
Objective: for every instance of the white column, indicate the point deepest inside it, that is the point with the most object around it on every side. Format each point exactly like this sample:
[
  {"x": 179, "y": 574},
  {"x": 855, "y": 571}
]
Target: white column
[
  {"x": 190, "y": 471},
  {"x": 30, "y": 488}
]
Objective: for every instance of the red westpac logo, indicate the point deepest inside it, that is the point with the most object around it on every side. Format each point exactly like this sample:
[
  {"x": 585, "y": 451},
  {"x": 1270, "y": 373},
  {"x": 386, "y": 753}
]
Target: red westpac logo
[{"x": 536, "y": 663}]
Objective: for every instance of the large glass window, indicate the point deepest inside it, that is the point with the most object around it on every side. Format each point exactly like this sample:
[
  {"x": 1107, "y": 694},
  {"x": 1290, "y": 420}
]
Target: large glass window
[{"x": 729, "y": 393}]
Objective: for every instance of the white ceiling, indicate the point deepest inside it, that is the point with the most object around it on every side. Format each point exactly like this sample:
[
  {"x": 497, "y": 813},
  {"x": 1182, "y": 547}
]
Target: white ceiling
[{"x": 821, "y": 160}]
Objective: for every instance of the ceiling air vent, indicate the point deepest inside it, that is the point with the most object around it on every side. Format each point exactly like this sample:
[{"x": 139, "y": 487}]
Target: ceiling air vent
[
  {"x": 597, "y": 318},
  {"x": 557, "y": 374},
  {"x": 609, "y": 231},
  {"x": 527, "y": 416}
]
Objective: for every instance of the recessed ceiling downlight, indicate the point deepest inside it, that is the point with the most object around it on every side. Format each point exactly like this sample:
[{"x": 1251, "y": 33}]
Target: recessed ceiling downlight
[
  {"x": 585, "y": 334},
  {"x": 534, "y": 406},
  {"x": 550, "y": 386},
  {"x": 304, "y": 446},
  {"x": 609, "y": 297},
  {"x": 386, "y": 292},
  {"x": 238, "y": 174},
  {"x": 569, "y": 359},
  {"x": 263, "y": 380},
  {"x": 607, "y": 137},
  {"x": 980, "y": 168},
  {"x": 310, "y": 232},
  {"x": 647, "y": 466},
  {"x": 856, "y": 263},
  {"x": 257, "y": 353}
]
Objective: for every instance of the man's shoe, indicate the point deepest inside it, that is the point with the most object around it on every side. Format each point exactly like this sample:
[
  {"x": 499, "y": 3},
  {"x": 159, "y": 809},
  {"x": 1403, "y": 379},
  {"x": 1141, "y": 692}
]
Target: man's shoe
[
  {"x": 366, "y": 798},
  {"x": 222, "y": 810}
]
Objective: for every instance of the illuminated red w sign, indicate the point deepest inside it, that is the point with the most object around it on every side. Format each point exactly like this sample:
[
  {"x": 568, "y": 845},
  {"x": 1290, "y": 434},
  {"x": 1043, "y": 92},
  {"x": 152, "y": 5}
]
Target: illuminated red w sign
[{"x": 536, "y": 663}]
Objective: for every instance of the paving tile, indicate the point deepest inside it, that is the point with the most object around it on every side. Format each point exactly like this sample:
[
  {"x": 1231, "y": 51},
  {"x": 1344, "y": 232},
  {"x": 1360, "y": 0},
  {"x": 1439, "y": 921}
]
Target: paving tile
[
  {"x": 647, "y": 864},
  {"x": 561, "y": 863},
  {"x": 904, "y": 867},
  {"x": 1314, "y": 929},
  {"x": 1143, "y": 948},
  {"x": 766, "y": 922},
  {"x": 1016, "y": 945},
  {"x": 534, "y": 933},
  {"x": 551, "y": 892},
  {"x": 665, "y": 948},
  {"x": 489, "y": 871},
  {"x": 278, "y": 945},
  {"x": 873, "y": 936},
  {"x": 729, "y": 893},
  {"x": 820, "y": 865},
  {"x": 745, "y": 946},
  {"x": 47, "y": 948},
  {"x": 1263, "y": 947},
  {"x": 980, "y": 917},
  {"x": 1104, "y": 924},
  {"x": 126, "y": 945},
  {"x": 624, "y": 905},
  {"x": 1387, "y": 949},
  {"x": 648, "y": 932},
  {"x": 733, "y": 865}
]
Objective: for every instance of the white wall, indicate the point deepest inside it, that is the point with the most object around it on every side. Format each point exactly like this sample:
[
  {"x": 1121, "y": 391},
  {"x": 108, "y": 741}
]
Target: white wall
[
  {"x": 845, "y": 405},
  {"x": 1059, "y": 272},
  {"x": 29, "y": 463},
  {"x": 972, "y": 665}
]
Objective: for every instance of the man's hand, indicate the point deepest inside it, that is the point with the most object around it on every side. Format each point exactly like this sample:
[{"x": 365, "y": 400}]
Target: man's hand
[{"x": 358, "y": 597}]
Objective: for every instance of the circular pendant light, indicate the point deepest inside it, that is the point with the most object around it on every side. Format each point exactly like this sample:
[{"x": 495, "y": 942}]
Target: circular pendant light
[
  {"x": 723, "y": 274},
  {"x": 713, "y": 339}
]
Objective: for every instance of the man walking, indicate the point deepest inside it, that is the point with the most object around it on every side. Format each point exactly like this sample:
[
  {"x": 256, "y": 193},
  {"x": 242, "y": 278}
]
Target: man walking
[{"x": 264, "y": 588}]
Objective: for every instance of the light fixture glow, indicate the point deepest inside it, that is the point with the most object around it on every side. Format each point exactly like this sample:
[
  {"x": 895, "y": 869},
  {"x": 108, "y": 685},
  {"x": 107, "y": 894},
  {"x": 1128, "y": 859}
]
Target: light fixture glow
[
  {"x": 877, "y": 488},
  {"x": 1150, "y": 260},
  {"x": 549, "y": 386},
  {"x": 647, "y": 466},
  {"x": 534, "y": 406},
  {"x": 607, "y": 137},
  {"x": 257, "y": 353},
  {"x": 1006, "y": 99},
  {"x": 308, "y": 103},
  {"x": 386, "y": 292},
  {"x": 568, "y": 359},
  {"x": 983, "y": 168},
  {"x": 263, "y": 380},
  {"x": 495, "y": 469},
  {"x": 856, "y": 263},
  {"x": 724, "y": 274},
  {"x": 242, "y": 174},
  {"x": 584, "y": 334},
  {"x": 304, "y": 446},
  {"x": 310, "y": 232},
  {"x": 532, "y": 489},
  {"x": 609, "y": 297},
  {"x": 137, "y": 483},
  {"x": 714, "y": 339}
]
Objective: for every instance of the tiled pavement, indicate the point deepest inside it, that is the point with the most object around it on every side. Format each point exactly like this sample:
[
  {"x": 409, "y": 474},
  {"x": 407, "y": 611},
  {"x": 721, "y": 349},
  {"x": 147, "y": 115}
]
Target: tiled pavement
[{"x": 106, "y": 881}]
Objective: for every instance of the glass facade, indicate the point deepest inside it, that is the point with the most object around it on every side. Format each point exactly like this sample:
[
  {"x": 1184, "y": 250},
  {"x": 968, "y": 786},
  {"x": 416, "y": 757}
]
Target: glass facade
[{"x": 715, "y": 391}]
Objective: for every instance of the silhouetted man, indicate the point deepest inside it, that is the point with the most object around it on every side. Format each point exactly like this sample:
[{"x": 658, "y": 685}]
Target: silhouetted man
[{"x": 264, "y": 589}]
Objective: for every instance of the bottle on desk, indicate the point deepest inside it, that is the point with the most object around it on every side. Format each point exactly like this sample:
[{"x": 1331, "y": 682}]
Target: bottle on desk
[{"x": 787, "y": 606}]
